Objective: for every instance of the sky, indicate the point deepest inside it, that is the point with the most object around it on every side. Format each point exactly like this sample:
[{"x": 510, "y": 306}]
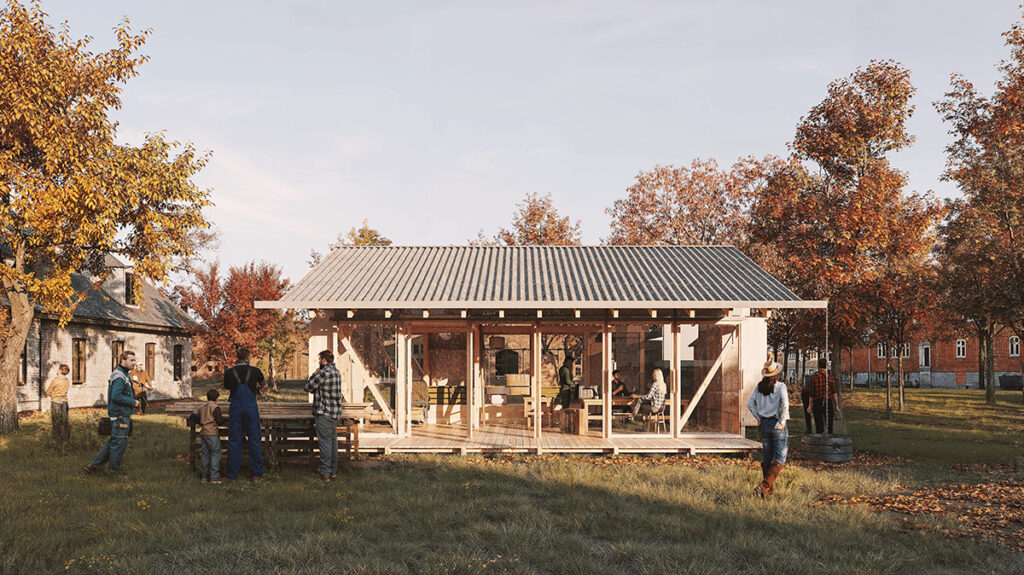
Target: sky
[{"x": 433, "y": 119}]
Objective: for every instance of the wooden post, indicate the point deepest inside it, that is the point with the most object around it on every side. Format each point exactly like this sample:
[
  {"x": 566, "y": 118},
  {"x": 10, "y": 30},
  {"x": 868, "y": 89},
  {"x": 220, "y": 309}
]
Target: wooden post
[
  {"x": 606, "y": 384},
  {"x": 535, "y": 382},
  {"x": 676, "y": 387},
  {"x": 470, "y": 404},
  {"x": 408, "y": 384},
  {"x": 478, "y": 380},
  {"x": 401, "y": 414}
]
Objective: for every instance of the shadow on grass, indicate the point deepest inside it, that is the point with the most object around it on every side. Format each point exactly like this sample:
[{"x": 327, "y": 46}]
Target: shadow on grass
[{"x": 432, "y": 514}]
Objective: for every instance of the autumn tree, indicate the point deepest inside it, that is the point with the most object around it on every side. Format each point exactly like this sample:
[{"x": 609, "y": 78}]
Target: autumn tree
[
  {"x": 71, "y": 192},
  {"x": 223, "y": 306},
  {"x": 361, "y": 236},
  {"x": 697, "y": 205},
  {"x": 536, "y": 222},
  {"x": 837, "y": 223},
  {"x": 983, "y": 243}
]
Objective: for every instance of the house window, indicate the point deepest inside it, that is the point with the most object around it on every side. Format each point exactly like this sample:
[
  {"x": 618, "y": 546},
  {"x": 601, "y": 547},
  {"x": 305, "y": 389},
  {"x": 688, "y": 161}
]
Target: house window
[
  {"x": 23, "y": 372},
  {"x": 179, "y": 357},
  {"x": 1014, "y": 346},
  {"x": 506, "y": 362},
  {"x": 116, "y": 349},
  {"x": 881, "y": 351},
  {"x": 961, "y": 348},
  {"x": 151, "y": 359},
  {"x": 926, "y": 355},
  {"x": 129, "y": 289},
  {"x": 78, "y": 359},
  {"x": 905, "y": 353}
]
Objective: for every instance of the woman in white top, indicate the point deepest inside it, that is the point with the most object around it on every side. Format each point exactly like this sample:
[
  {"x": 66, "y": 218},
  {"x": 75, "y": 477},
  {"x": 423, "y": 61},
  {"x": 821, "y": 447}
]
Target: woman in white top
[{"x": 770, "y": 406}]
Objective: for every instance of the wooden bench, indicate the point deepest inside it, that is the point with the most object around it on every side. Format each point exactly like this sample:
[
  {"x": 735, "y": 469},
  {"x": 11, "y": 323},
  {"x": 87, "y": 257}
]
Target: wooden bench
[{"x": 288, "y": 433}]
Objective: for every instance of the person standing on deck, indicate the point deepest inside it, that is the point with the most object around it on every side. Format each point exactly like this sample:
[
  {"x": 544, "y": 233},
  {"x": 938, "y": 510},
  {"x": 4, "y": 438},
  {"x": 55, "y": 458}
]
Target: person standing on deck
[
  {"x": 121, "y": 403},
  {"x": 245, "y": 383},
  {"x": 325, "y": 385},
  {"x": 565, "y": 383},
  {"x": 769, "y": 404}
]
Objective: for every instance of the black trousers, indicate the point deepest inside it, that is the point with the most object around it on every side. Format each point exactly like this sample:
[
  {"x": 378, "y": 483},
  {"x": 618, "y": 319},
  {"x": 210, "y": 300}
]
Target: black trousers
[
  {"x": 818, "y": 407},
  {"x": 143, "y": 402},
  {"x": 805, "y": 400}
]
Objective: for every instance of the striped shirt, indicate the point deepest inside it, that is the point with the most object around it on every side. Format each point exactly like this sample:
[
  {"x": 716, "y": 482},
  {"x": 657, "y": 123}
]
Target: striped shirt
[{"x": 325, "y": 385}]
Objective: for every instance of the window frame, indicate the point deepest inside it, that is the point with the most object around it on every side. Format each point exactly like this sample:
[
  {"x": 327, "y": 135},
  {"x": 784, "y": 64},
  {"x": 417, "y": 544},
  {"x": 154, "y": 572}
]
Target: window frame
[
  {"x": 79, "y": 360},
  {"x": 179, "y": 362},
  {"x": 881, "y": 351},
  {"x": 961, "y": 349},
  {"x": 116, "y": 349},
  {"x": 1014, "y": 342},
  {"x": 130, "y": 297},
  {"x": 151, "y": 359}
]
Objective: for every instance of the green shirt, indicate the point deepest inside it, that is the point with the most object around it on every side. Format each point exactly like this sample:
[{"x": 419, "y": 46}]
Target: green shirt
[{"x": 565, "y": 378}]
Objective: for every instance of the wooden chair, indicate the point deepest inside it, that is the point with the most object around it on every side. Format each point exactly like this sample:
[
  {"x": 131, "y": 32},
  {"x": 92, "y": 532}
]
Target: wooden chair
[{"x": 656, "y": 420}]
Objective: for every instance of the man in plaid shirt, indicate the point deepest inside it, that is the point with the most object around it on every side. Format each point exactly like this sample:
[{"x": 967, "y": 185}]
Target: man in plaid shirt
[
  {"x": 325, "y": 385},
  {"x": 824, "y": 395}
]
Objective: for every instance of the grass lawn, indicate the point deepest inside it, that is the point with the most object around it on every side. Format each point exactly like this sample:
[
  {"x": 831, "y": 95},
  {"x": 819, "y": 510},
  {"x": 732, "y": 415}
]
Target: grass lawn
[{"x": 547, "y": 514}]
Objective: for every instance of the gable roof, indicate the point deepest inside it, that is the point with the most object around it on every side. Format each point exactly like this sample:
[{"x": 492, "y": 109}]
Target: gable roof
[
  {"x": 159, "y": 311},
  {"x": 542, "y": 277}
]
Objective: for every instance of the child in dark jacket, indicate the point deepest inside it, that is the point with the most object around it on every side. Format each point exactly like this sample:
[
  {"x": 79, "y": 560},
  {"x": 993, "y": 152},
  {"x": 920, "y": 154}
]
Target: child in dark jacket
[{"x": 209, "y": 418}]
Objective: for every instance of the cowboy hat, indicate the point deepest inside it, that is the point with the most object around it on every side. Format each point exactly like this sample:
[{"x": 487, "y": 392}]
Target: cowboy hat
[{"x": 771, "y": 368}]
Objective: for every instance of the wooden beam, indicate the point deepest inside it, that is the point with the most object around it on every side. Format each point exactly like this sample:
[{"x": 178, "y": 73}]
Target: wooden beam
[
  {"x": 470, "y": 404},
  {"x": 653, "y": 312},
  {"x": 535, "y": 382},
  {"x": 606, "y": 385},
  {"x": 692, "y": 313},
  {"x": 374, "y": 390},
  {"x": 426, "y": 313},
  {"x": 387, "y": 314},
  {"x": 401, "y": 361},
  {"x": 707, "y": 381},
  {"x": 540, "y": 314},
  {"x": 615, "y": 313},
  {"x": 501, "y": 313},
  {"x": 350, "y": 313},
  {"x": 464, "y": 312},
  {"x": 576, "y": 313}
]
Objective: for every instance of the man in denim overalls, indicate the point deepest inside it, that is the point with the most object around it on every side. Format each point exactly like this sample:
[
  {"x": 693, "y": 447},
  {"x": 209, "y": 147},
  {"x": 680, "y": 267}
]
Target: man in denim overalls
[{"x": 245, "y": 383}]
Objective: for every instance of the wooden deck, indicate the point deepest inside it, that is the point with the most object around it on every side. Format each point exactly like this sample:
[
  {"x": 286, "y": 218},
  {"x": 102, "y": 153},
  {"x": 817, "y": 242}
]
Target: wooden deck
[{"x": 518, "y": 439}]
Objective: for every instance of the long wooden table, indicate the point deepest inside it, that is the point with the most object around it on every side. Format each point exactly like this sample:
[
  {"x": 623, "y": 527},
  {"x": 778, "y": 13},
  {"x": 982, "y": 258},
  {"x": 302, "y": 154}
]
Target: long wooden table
[{"x": 288, "y": 430}]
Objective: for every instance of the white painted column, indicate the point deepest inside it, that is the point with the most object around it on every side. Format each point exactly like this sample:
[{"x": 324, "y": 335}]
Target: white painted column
[
  {"x": 401, "y": 384},
  {"x": 676, "y": 382}
]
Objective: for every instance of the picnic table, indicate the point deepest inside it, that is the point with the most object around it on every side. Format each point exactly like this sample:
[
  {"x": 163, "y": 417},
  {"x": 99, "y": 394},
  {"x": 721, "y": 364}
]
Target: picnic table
[{"x": 288, "y": 430}]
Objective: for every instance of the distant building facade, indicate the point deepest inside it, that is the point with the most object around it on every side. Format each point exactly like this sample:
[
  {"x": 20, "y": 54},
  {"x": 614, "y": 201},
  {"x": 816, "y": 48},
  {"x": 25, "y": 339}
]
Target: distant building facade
[
  {"x": 112, "y": 318},
  {"x": 948, "y": 364}
]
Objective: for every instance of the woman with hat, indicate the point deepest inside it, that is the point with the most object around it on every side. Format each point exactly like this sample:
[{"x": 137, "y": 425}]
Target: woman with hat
[{"x": 770, "y": 406}]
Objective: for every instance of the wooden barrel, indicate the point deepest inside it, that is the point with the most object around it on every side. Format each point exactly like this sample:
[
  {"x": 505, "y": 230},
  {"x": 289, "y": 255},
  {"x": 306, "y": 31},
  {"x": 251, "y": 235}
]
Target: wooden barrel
[{"x": 828, "y": 448}]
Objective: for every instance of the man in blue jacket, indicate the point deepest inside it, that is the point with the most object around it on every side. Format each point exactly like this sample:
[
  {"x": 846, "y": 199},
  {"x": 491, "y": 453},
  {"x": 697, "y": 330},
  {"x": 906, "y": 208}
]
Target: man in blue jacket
[{"x": 121, "y": 405}]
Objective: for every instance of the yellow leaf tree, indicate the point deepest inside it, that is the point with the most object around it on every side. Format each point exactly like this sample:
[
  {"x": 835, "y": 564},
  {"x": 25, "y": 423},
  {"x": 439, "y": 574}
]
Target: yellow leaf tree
[{"x": 72, "y": 193}]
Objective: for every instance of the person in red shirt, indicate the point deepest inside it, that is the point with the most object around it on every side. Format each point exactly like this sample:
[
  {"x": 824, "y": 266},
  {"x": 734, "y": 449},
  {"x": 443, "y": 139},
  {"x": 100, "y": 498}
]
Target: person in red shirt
[{"x": 824, "y": 396}]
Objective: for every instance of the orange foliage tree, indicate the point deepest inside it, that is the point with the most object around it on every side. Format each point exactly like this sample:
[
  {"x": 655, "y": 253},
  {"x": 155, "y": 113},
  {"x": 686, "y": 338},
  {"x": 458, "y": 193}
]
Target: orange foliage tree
[
  {"x": 836, "y": 226},
  {"x": 71, "y": 192},
  {"x": 361, "y": 236},
  {"x": 698, "y": 205},
  {"x": 224, "y": 309},
  {"x": 984, "y": 236},
  {"x": 536, "y": 222}
]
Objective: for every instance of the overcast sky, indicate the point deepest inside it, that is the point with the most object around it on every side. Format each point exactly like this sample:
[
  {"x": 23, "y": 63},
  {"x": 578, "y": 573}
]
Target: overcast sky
[{"x": 432, "y": 119}]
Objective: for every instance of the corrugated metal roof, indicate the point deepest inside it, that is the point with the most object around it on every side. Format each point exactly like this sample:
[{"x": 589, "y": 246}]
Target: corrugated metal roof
[{"x": 545, "y": 277}]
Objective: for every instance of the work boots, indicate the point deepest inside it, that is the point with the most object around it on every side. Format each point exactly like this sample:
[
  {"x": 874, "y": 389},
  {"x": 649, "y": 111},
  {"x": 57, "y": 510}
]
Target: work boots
[{"x": 770, "y": 472}]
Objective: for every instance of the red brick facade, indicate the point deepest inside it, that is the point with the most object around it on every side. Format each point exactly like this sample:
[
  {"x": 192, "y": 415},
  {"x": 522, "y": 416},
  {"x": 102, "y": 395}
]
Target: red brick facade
[{"x": 941, "y": 365}]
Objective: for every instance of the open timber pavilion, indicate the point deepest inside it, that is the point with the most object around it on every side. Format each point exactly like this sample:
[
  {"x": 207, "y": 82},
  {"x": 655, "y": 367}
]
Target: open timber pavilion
[{"x": 457, "y": 348}]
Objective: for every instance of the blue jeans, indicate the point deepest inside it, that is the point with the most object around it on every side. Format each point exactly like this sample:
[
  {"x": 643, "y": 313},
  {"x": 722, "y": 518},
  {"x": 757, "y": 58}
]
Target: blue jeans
[
  {"x": 113, "y": 450},
  {"x": 774, "y": 441},
  {"x": 244, "y": 426},
  {"x": 211, "y": 456},
  {"x": 327, "y": 441}
]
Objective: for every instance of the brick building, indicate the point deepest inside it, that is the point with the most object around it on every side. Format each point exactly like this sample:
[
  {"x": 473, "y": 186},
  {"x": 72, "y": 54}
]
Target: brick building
[
  {"x": 950, "y": 364},
  {"x": 110, "y": 319}
]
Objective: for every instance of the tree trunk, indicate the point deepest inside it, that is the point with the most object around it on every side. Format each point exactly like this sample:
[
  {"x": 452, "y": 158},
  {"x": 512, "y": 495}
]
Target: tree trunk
[
  {"x": 888, "y": 386},
  {"x": 981, "y": 358},
  {"x": 785, "y": 360},
  {"x": 899, "y": 371},
  {"x": 22, "y": 311},
  {"x": 837, "y": 365},
  {"x": 990, "y": 368},
  {"x": 851, "y": 368}
]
